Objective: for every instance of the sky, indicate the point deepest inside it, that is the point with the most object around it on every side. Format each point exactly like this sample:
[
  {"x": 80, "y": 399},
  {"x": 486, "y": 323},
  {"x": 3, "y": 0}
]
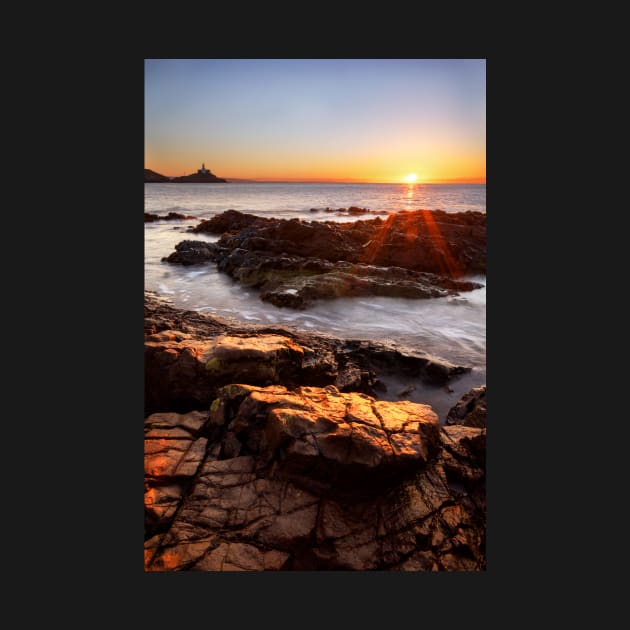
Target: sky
[{"x": 345, "y": 120}]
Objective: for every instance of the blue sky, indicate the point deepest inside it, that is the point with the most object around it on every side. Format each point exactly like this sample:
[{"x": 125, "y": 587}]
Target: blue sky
[{"x": 310, "y": 119}]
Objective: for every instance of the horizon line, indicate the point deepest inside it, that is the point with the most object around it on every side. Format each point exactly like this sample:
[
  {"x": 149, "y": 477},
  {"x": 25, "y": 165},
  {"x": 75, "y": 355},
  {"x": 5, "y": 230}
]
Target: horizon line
[
  {"x": 280, "y": 180},
  {"x": 356, "y": 181}
]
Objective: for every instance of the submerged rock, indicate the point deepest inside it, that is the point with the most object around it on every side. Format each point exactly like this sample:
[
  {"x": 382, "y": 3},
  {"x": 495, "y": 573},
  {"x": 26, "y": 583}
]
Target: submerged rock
[
  {"x": 171, "y": 216},
  {"x": 353, "y": 211},
  {"x": 348, "y": 280},
  {"x": 194, "y": 253}
]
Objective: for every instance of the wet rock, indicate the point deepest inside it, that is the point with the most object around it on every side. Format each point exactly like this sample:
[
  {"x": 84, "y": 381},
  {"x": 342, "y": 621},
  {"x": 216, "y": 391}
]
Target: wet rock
[
  {"x": 194, "y": 253},
  {"x": 351, "y": 377},
  {"x": 355, "y": 211},
  {"x": 406, "y": 390},
  {"x": 298, "y": 282},
  {"x": 450, "y": 244},
  {"x": 355, "y": 280},
  {"x": 293, "y": 263},
  {"x": 228, "y": 221},
  {"x": 470, "y": 411},
  {"x": 403, "y": 362},
  {"x": 171, "y": 216},
  {"x": 189, "y": 355}
]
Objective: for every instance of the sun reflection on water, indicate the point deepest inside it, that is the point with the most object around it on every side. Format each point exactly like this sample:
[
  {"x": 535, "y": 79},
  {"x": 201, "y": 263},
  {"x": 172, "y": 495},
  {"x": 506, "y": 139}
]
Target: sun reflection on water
[{"x": 410, "y": 196}]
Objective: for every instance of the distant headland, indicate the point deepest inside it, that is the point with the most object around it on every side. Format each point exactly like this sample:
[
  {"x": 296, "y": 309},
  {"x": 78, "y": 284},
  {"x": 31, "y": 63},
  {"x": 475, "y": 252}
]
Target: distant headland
[{"x": 202, "y": 176}]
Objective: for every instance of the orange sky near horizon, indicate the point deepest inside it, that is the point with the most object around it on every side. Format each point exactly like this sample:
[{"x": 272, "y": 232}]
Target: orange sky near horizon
[
  {"x": 358, "y": 173},
  {"x": 336, "y": 120}
]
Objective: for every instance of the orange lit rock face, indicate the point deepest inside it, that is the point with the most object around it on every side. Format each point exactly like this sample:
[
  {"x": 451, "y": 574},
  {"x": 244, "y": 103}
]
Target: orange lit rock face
[
  {"x": 338, "y": 437},
  {"x": 173, "y": 451},
  {"x": 301, "y": 474},
  {"x": 184, "y": 369},
  {"x": 188, "y": 370},
  {"x": 272, "y": 479}
]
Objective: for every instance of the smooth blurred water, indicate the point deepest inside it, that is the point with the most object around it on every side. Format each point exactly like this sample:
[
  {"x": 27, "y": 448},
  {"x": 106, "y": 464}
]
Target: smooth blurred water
[
  {"x": 451, "y": 328},
  {"x": 291, "y": 200}
]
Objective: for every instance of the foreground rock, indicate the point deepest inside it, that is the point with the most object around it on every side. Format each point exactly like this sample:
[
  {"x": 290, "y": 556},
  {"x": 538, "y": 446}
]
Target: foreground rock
[
  {"x": 255, "y": 459},
  {"x": 312, "y": 479},
  {"x": 294, "y": 263},
  {"x": 189, "y": 356}
]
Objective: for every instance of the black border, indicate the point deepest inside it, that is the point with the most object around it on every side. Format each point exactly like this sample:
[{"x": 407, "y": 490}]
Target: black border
[{"x": 517, "y": 525}]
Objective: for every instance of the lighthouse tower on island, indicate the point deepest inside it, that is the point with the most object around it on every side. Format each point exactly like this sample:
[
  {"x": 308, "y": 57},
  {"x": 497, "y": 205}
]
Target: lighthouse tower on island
[{"x": 203, "y": 175}]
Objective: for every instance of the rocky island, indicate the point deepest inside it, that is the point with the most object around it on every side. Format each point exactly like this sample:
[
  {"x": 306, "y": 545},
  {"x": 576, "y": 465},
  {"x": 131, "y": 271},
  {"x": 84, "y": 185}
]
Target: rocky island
[{"x": 202, "y": 176}]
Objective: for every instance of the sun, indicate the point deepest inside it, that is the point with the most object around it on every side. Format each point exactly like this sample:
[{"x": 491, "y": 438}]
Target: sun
[{"x": 411, "y": 178}]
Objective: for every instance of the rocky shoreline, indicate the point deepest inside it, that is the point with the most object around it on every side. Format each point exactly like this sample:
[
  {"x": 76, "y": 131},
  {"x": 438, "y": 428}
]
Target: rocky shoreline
[
  {"x": 294, "y": 263},
  {"x": 267, "y": 448}
]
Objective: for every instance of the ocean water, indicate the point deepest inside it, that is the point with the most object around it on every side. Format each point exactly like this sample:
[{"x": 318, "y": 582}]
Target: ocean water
[
  {"x": 290, "y": 200},
  {"x": 452, "y": 328}
]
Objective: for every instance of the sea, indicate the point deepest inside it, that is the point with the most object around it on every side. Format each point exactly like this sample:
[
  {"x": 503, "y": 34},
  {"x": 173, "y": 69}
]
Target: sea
[{"x": 451, "y": 328}]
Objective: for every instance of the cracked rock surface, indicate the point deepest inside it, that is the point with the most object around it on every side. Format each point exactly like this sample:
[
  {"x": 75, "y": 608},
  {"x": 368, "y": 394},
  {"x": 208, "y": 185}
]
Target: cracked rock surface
[
  {"x": 274, "y": 471},
  {"x": 312, "y": 479}
]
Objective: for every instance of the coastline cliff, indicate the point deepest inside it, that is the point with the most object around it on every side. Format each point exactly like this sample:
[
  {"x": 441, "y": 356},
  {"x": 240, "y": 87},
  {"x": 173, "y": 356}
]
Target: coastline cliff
[{"x": 151, "y": 177}]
